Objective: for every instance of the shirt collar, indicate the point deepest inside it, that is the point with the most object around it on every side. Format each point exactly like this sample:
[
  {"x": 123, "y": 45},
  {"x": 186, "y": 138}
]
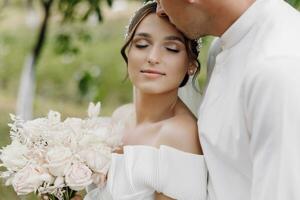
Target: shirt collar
[{"x": 243, "y": 24}]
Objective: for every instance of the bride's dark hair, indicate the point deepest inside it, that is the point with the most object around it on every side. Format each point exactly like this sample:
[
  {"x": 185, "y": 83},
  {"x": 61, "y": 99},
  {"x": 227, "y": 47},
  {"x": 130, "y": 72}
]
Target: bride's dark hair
[{"x": 149, "y": 8}]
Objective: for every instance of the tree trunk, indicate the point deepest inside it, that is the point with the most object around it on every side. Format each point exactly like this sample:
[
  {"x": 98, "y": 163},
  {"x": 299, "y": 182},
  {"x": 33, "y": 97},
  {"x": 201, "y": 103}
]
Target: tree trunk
[{"x": 27, "y": 82}]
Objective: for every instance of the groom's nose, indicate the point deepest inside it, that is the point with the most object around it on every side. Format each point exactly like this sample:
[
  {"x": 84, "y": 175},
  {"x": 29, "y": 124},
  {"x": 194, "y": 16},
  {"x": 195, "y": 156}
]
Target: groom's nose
[{"x": 159, "y": 11}]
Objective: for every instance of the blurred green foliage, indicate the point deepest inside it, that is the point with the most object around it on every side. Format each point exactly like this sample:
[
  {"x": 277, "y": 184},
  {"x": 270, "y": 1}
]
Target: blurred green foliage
[
  {"x": 90, "y": 48},
  {"x": 80, "y": 63},
  {"x": 295, "y": 3}
]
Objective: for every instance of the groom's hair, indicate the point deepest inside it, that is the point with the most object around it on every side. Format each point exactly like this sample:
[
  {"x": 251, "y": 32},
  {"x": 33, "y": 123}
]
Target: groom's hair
[{"x": 139, "y": 15}]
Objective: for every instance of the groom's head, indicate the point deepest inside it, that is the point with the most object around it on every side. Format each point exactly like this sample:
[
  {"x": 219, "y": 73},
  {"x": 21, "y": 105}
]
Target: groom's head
[{"x": 197, "y": 18}]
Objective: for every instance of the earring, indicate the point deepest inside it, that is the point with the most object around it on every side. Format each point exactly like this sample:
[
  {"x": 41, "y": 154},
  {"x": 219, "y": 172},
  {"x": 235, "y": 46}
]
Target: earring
[{"x": 191, "y": 72}]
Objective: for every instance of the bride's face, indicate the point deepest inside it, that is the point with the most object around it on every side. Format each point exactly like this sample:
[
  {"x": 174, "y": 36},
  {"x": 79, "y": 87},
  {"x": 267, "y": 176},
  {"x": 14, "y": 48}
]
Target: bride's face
[{"x": 157, "y": 56}]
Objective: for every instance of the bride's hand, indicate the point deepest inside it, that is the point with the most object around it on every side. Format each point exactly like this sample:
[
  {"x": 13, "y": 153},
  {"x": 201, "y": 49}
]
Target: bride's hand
[
  {"x": 77, "y": 197},
  {"x": 119, "y": 150},
  {"x": 160, "y": 196}
]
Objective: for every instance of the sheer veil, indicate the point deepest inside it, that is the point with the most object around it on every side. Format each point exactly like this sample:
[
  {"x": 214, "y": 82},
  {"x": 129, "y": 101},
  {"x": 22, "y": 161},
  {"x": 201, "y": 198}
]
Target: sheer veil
[{"x": 190, "y": 96}]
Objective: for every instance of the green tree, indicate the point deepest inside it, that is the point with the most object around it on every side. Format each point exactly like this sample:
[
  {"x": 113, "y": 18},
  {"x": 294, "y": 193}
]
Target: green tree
[
  {"x": 70, "y": 10},
  {"x": 295, "y": 3}
]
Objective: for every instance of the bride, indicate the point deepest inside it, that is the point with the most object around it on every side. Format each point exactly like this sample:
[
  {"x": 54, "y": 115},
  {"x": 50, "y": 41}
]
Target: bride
[{"x": 161, "y": 157}]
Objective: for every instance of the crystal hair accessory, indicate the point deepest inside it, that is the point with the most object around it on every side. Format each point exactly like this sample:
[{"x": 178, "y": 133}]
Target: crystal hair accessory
[
  {"x": 199, "y": 44},
  {"x": 199, "y": 41},
  {"x": 131, "y": 18}
]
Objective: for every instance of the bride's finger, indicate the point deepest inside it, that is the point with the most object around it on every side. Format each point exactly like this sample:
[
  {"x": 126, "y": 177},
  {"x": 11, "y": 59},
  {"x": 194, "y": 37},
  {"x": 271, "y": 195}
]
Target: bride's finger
[
  {"x": 119, "y": 150},
  {"x": 77, "y": 197}
]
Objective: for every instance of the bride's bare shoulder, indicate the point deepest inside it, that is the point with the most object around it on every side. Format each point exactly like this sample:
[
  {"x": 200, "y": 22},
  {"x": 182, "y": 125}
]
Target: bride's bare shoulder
[{"x": 181, "y": 132}]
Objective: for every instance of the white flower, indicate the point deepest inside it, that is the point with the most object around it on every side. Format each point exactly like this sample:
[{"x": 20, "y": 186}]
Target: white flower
[
  {"x": 59, "y": 160},
  {"x": 7, "y": 176},
  {"x": 75, "y": 152},
  {"x": 104, "y": 127},
  {"x": 98, "y": 159},
  {"x": 99, "y": 179},
  {"x": 14, "y": 156},
  {"x": 59, "y": 182},
  {"x": 35, "y": 128},
  {"x": 100, "y": 127},
  {"x": 78, "y": 176},
  {"x": 94, "y": 110},
  {"x": 75, "y": 125},
  {"x": 29, "y": 178},
  {"x": 54, "y": 117}
]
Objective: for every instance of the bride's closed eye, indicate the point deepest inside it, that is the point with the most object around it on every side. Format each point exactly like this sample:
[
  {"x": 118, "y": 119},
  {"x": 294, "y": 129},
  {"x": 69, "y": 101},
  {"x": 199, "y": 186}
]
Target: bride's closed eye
[
  {"x": 140, "y": 44},
  {"x": 174, "y": 48},
  {"x": 144, "y": 43}
]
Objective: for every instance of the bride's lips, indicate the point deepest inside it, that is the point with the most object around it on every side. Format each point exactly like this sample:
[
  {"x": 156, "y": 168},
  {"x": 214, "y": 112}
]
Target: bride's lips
[{"x": 152, "y": 73}]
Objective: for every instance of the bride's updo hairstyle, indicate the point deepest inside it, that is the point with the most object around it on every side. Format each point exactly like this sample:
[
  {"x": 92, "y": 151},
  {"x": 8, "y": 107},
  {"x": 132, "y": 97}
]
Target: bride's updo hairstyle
[{"x": 149, "y": 8}]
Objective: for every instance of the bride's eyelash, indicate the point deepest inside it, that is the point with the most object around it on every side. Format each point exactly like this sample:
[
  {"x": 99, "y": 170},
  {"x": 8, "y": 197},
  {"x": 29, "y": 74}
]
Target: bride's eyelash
[
  {"x": 173, "y": 50},
  {"x": 141, "y": 46}
]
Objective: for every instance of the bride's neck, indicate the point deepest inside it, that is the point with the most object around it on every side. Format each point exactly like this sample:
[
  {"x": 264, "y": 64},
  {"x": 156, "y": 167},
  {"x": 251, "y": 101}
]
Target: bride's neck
[{"x": 154, "y": 107}]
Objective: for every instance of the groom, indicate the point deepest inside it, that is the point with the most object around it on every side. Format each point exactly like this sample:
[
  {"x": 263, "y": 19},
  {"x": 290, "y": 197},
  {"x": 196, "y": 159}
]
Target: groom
[{"x": 249, "y": 120}]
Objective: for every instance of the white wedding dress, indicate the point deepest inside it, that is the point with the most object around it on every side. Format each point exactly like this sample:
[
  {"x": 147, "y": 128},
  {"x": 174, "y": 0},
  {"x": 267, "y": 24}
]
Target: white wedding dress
[{"x": 142, "y": 170}]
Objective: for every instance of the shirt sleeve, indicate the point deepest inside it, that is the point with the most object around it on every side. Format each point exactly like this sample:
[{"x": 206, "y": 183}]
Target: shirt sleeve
[{"x": 271, "y": 100}]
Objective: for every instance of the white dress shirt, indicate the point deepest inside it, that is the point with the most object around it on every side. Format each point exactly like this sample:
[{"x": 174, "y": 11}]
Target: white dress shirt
[{"x": 249, "y": 120}]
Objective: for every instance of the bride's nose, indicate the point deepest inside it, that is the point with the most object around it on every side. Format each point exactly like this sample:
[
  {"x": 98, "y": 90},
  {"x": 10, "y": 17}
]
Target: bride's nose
[{"x": 153, "y": 57}]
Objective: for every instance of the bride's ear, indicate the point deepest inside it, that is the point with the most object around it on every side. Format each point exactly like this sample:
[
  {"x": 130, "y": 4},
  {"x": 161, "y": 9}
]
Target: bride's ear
[{"x": 192, "y": 68}]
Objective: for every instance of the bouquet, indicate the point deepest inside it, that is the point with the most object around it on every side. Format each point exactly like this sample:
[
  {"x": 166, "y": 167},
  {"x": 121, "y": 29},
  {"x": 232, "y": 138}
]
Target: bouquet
[{"x": 55, "y": 158}]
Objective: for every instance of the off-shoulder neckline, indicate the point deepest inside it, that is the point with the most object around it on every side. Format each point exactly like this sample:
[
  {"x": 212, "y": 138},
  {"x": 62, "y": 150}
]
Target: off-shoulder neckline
[{"x": 161, "y": 147}]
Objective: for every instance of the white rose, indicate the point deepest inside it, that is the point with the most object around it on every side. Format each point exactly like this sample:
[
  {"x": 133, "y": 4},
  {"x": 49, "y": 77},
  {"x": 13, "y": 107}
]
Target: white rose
[
  {"x": 59, "y": 160},
  {"x": 29, "y": 178},
  {"x": 98, "y": 159},
  {"x": 59, "y": 182},
  {"x": 90, "y": 140},
  {"x": 75, "y": 125},
  {"x": 99, "y": 126},
  {"x": 74, "y": 132},
  {"x": 35, "y": 128},
  {"x": 14, "y": 156},
  {"x": 78, "y": 176}
]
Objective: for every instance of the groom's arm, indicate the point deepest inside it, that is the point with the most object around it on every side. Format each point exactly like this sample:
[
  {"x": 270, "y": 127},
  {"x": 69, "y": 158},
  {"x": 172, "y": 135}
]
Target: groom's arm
[{"x": 272, "y": 111}]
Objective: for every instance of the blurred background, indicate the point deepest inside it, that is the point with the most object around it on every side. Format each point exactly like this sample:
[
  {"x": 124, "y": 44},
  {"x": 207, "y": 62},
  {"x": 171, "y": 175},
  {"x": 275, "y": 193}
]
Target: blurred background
[{"x": 62, "y": 54}]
